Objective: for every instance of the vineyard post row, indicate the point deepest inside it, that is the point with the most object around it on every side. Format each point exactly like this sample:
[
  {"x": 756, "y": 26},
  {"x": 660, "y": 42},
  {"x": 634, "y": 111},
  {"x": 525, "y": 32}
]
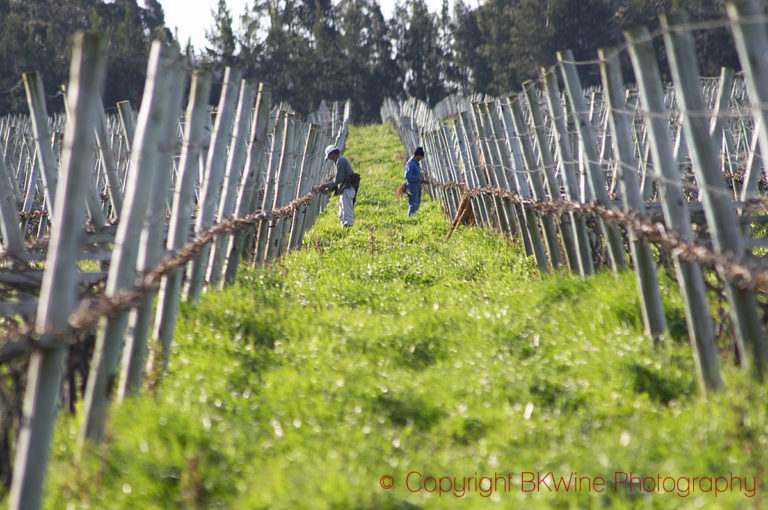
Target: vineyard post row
[
  {"x": 155, "y": 189},
  {"x": 689, "y": 155}
]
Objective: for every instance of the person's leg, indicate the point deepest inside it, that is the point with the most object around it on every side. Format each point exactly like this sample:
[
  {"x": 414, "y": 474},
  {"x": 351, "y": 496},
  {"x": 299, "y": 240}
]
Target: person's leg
[
  {"x": 347, "y": 198},
  {"x": 413, "y": 198},
  {"x": 352, "y": 198}
]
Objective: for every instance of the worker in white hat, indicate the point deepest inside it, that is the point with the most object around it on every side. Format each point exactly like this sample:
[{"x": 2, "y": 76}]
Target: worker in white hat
[{"x": 343, "y": 185}]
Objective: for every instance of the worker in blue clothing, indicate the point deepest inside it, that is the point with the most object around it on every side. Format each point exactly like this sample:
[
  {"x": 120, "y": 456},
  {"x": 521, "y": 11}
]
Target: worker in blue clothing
[{"x": 413, "y": 180}]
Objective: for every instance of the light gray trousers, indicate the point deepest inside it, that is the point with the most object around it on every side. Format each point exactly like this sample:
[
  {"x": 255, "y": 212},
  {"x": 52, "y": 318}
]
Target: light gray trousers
[{"x": 346, "y": 214}]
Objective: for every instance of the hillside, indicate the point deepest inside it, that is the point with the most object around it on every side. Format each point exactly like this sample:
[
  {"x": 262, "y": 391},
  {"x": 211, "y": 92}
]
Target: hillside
[{"x": 385, "y": 351}]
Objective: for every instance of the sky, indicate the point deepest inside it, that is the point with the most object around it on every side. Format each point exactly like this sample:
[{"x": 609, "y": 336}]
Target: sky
[{"x": 192, "y": 17}]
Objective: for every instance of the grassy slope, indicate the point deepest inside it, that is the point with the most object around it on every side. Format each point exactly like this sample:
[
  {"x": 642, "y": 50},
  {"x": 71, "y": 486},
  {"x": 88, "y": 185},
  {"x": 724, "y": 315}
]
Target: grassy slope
[{"x": 385, "y": 350}]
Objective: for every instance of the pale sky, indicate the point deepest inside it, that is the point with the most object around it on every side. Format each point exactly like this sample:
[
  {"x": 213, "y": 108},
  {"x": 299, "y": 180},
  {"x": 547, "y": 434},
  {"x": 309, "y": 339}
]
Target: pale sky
[{"x": 192, "y": 17}]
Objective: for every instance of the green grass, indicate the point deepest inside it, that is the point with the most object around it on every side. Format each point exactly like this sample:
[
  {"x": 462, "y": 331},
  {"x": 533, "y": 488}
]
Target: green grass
[{"x": 385, "y": 350}]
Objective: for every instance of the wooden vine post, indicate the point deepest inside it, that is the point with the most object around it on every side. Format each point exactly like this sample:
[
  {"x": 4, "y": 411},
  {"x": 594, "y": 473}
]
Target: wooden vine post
[
  {"x": 145, "y": 154},
  {"x": 58, "y": 291},
  {"x": 594, "y": 171},
  {"x": 181, "y": 214},
  {"x": 722, "y": 222},
  {"x": 631, "y": 196},
  {"x": 673, "y": 203}
]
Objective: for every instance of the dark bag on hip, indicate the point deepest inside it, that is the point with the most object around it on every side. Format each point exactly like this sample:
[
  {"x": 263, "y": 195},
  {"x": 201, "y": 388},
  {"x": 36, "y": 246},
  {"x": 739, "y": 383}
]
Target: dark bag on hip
[{"x": 354, "y": 181}]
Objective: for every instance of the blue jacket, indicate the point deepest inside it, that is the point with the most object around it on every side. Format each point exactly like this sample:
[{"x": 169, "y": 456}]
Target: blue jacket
[{"x": 412, "y": 171}]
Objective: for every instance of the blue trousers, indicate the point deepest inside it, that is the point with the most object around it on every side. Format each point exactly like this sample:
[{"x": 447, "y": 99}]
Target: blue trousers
[{"x": 414, "y": 199}]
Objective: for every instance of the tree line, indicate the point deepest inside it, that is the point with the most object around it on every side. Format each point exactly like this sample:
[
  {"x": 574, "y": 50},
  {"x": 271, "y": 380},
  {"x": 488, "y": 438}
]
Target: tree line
[{"x": 312, "y": 50}]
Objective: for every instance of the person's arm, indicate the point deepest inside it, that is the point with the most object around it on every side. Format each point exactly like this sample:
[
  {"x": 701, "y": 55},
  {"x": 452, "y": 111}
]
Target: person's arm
[{"x": 330, "y": 185}]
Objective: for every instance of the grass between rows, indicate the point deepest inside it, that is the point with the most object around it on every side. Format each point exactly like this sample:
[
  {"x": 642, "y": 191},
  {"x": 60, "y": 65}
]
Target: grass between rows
[{"x": 385, "y": 350}]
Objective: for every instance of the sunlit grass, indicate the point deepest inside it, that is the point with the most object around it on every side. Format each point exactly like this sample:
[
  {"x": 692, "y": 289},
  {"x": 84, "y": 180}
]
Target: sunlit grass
[{"x": 385, "y": 350}]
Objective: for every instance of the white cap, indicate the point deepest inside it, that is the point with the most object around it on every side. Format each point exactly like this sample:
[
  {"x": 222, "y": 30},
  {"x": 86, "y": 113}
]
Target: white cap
[{"x": 328, "y": 150}]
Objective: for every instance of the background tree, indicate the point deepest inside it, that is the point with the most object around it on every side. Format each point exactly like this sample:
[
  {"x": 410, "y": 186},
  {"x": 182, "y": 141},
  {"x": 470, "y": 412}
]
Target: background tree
[
  {"x": 497, "y": 47},
  {"x": 221, "y": 38},
  {"x": 153, "y": 15},
  {"x": 421, "y": 62},
  {"x": 128, "y": 53},
  {"x": 446, "y": 27},
  {"x": 329, "y": 56},
  {"x": 471, "y": 69},
  {"x": 367, "y": 67}
]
